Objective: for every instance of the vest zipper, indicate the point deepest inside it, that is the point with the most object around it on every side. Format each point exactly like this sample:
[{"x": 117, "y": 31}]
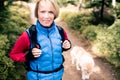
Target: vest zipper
[{"x": 51, "y": 50}]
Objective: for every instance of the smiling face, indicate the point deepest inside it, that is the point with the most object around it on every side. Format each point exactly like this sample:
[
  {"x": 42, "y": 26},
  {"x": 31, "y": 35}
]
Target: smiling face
[
  {"x": 45, "y": 14},
  {"x": 46, "y": 11}
]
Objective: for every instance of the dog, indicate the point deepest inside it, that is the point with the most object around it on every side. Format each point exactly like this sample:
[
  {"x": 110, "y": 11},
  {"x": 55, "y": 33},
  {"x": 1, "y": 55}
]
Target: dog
[{"x": 83, "y": 61}]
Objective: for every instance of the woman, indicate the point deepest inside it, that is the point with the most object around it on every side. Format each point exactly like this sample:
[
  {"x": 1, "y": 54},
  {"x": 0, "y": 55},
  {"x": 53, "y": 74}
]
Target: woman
[{"x": 46, "y": 62}]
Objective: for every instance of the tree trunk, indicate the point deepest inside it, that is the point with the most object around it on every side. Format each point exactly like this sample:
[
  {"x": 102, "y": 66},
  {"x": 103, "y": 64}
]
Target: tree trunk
[
  {"x": 102, "y": 9},
  {"x": 79, "y": 5},
  {"x": 1, "y": 4}
]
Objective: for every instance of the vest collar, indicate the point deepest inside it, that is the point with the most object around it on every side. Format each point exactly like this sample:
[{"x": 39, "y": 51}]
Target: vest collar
[{"x": 41, "y": 28}]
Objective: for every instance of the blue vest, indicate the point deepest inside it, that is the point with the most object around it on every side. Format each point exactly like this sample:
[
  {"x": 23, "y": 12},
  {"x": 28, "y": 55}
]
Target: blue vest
[{"x": 51, "y": 57}]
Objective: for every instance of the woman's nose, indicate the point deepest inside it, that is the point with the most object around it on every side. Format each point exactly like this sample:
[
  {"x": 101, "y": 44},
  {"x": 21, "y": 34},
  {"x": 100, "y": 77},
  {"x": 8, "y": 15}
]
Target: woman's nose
[{"x": 46, "y": 15}]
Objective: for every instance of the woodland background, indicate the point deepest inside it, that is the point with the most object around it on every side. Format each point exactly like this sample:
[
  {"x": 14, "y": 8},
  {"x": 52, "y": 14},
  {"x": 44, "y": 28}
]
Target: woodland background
[{"x": 96, "y": 21}]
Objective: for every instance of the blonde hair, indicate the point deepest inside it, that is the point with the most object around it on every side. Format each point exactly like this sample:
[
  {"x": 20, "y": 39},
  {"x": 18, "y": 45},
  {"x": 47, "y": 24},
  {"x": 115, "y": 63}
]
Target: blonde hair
[{"x": 53, "y": 5}]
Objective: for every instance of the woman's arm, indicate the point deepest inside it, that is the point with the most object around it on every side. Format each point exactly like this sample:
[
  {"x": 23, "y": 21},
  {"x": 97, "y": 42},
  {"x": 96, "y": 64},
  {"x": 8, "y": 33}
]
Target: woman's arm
[
  {"x": 67, "y": 43},
  {"x": 20, "y": 48}
]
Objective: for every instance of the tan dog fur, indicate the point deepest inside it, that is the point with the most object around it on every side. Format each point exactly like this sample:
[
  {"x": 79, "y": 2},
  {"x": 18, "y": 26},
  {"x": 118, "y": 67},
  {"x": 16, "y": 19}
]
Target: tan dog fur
[{"x": 83, "y": 61}]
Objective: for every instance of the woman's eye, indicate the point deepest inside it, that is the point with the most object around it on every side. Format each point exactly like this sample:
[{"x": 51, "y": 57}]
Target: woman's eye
[
  {"x": 42, "y": 11},
  {"x": 51, "y": 12}
]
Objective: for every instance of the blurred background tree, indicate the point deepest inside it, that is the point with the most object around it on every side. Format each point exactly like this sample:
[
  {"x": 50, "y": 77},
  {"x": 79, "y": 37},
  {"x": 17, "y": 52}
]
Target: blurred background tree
[
  {"x": 14, "y": 19},
  {"x": 103, "y": 34}
]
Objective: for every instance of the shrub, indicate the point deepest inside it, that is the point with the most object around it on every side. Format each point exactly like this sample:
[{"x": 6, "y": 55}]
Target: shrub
[
  {"x": 104, "y": 38},
  {"x": 14, "y": 20},
  {"x": 76, "y": 20},
  {"x": 90, "y": 33},
  {"x": 107, "y": 43},
  {"x": 5, "y": 62}
]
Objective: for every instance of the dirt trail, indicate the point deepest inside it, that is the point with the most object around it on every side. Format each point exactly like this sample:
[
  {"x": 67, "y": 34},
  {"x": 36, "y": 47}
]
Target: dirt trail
[{"x": 105, "y": 70}]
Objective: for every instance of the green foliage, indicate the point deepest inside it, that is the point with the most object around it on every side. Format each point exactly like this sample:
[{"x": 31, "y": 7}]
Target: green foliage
[
  {"x": 66, "y": 2},
  {"x": 73, "y": 21},
  {"x": 107, "y": 43},
  {"x": 5, "y": 62},
  {"x": 89, "y": 33},
  {"x": 115, "y": 32},
  {"x": 17, "y": 73},
  {"x": 117, "y": 11},
  {"x": 13, "y": 21},
  {"x": 65, "y": 17},
  {"x": 108, "y": 18},
  {"x": 95, "y": 3},
  {"x": 3, "y": 42},
  {"x": 69, "y": 19},
  {"x": 104, "y": 38},
  {"x": 76, "y": 20},
  {"x": 61, "y": 2}
]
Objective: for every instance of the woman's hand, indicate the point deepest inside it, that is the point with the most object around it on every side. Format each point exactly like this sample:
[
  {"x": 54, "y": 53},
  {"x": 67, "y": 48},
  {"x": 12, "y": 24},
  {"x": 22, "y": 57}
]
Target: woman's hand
[
  {"x": 66, "y": 44},
  {"x": 36, "y": 52}
]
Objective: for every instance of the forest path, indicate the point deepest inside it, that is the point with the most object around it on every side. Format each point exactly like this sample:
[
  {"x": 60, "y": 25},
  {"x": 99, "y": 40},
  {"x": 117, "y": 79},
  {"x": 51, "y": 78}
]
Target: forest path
[{"x": 105, "y": 70}]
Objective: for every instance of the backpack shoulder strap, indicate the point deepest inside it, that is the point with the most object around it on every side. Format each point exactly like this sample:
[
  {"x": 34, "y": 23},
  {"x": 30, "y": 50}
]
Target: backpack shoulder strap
[
  {"x": 61, "y": 31},
  {"x": 32, "y": 33}
]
